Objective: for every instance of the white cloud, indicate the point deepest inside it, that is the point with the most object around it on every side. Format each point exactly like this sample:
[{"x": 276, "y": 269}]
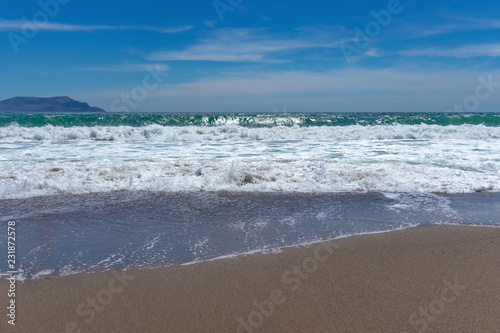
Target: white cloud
[
  {"x": 454, "y": 24},
  {"x": 244, "y": 45},
  {"x": 14, "y": 25},
  {"x": 468, "y": 51},
  {"x": 349, "y": 81},
  {"x": 210, "y": 24},
  {"x": 127, "y": 68},
  {"x": 477, "y": 23},
  {"x": 350, "y": 89}
]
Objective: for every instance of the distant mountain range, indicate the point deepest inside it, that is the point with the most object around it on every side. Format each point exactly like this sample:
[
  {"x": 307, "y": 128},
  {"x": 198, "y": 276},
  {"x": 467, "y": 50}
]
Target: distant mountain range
[{"x": 51, "y": 104}]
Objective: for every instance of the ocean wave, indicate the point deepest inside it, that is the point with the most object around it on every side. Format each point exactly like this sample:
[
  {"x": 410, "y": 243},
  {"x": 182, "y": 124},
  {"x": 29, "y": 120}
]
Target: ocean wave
[
  {"x": 229, "y": 156},
  {"x": 254, "y": 120},
  {"x": 157, "y": 133},
  {"x": 41, "y": 179}
]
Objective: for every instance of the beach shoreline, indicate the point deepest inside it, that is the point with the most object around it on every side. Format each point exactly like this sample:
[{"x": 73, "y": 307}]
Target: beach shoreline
[
  {"x": 429, "y": 278},
  {"x": 68, "y": 234}
]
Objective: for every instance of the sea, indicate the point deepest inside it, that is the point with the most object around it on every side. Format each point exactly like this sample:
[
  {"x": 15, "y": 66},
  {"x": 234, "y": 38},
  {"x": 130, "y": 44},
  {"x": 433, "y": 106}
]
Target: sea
[{"x": 105, "y": 191}]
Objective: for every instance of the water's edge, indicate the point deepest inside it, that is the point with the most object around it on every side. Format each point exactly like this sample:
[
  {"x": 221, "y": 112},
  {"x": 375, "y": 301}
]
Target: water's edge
[{"x": 68, "y": 234}]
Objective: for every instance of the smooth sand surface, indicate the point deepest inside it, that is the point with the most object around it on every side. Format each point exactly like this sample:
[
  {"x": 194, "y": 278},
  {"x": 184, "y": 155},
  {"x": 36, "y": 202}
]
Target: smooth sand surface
[{"x": 425, "y": 279}]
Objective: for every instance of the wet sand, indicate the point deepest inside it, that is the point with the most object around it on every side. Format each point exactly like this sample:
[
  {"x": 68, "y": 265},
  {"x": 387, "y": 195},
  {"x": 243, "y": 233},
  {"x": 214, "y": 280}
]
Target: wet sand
[{"x": 425, "y": 279}]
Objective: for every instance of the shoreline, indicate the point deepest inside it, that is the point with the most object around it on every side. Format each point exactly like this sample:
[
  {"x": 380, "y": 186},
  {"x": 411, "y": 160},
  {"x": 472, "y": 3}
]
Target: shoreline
[
  {"x": 47, "y": 274},
  {"x": 364, "y": 283},
  {"x": 190, "y": 228}
]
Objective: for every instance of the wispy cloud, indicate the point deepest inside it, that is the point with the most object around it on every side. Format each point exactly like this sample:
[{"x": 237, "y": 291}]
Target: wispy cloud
[
  {"x": 466, "y": 51},
  {"x": 15, "y": 25},
  {"x": 343, "y": 89},
  {"x": 210, "y": 24},
  {"x": 126, "y": 68},
  {"x": 245, "y": 45},
  {"x": 455, "y": 24},
  {"x": 477, "y": 23},
  {"x": 355, "y": 81}
]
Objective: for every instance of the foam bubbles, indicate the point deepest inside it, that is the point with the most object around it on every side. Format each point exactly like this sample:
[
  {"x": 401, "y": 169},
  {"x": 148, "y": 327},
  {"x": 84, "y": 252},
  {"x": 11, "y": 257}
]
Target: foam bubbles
[
  {"x": 158, "y": 133},
  {"x": 422, "y": 158}
]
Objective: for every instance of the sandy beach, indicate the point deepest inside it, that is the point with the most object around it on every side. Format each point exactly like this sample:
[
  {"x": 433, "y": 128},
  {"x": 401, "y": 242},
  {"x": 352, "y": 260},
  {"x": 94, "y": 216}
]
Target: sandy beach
[{"x": 424, "y": 279}]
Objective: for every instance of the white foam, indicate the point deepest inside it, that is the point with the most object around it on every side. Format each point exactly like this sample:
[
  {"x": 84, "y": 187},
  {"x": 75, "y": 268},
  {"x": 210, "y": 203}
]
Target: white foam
[
  {"x": 151, "y": 245},
  {"x": 387, "y": 158},
  {"x": 425, "y": 202},
  {"x": 156, "y": 133},
  {"x": 42, "y": 273},
  {"x": 21, "y": 181}
]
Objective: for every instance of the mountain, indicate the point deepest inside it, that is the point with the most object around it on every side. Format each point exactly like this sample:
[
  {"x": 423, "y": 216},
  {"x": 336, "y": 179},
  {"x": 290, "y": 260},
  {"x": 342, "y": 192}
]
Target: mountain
[{"x": 51, "y": 104}]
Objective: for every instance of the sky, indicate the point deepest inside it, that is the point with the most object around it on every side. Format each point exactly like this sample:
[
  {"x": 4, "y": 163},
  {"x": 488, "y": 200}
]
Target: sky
[{"x": 254, "y": 55}]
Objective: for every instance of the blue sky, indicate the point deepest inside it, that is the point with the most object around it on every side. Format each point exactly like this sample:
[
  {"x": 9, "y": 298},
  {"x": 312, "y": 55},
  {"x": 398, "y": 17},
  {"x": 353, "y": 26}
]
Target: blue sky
[{"x": 242, "y": 55}]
